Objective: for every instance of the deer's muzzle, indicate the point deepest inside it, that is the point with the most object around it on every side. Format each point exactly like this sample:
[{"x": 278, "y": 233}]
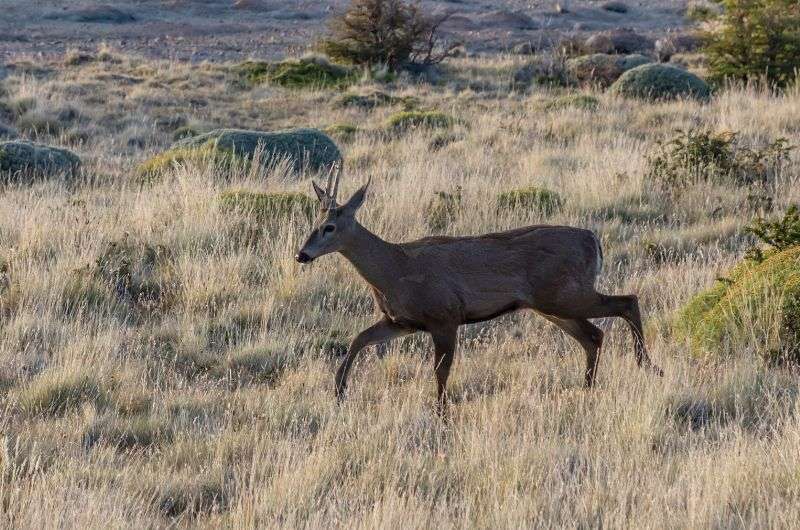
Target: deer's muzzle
[{"x": 302, "y": 257}]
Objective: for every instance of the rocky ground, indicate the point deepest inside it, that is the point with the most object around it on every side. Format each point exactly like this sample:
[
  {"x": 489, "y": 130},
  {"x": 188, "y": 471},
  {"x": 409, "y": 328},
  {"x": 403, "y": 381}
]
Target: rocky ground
[{"x": 216, "y": 30}]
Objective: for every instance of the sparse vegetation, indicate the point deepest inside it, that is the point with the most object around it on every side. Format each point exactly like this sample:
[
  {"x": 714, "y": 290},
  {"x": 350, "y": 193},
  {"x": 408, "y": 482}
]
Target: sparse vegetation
[{"x": 696, "y": 156}]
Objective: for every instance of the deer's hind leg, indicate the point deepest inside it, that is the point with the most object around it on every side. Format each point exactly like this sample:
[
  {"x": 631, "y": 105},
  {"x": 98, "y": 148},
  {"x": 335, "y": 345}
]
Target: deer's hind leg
[
  {"x": 589, "y": 336},
  {"x": 379, "y": 332},
  {"x": 625, "y": 307}
]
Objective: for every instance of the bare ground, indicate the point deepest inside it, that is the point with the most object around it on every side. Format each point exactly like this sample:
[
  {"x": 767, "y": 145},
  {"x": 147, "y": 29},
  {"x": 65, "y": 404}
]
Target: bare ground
[{"x": 230, "y": 29}]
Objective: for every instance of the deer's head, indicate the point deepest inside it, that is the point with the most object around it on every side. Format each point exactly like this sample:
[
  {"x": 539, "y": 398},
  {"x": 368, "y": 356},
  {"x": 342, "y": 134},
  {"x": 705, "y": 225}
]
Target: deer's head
[{"x": 335, "y": 224}]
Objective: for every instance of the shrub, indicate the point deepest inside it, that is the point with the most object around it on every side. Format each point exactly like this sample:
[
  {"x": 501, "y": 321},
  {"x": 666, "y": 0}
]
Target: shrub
[
  {"x": 312, "y": 72},
  {"x": 532, "y": 198},
  {"x": 756, "y": 39},
  {"x": 268, "y": 206},
  {"x": 184, "y": 131},
  {"x": 302, "y": 148},
  {"x": 550, "y": 70},
  {"x": 222, "y": 159},
  {"x": 633, "y": 60},
  {"x": 756, "y": 308},
  {"x": 698, "y": 156},
  {"x": 599, "y": 68},
  {"x": 23, "y": 159},
  {"x": 777, "y": 235},
  {"x": 390, "y": 32},
  {"x": 443, "y": 209},
  {"x": 55, "y": 394},
  {"x": 368, "y": 101},
  {"x": 412, "y": 119},
  {"x": 341, "y": 131},
  {"x": 657, "y": 82}
]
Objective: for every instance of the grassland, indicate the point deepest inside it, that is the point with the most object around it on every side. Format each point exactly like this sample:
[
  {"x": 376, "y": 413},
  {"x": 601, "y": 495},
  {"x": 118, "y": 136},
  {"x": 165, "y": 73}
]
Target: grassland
[{"x": 164, "y": 362}]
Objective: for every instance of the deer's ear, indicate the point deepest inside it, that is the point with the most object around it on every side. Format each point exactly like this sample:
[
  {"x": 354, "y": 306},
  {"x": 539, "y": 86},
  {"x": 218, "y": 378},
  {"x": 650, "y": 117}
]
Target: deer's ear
[
  {"x": 356, "y": 200},
  {"x": 318, "y": 191}
]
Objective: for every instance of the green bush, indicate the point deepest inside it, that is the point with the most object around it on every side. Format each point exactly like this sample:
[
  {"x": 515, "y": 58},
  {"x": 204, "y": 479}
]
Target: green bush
[
  {"x": 700, "y": 156},
  {"x": 394, "y": 33},
  {"x": 302, "y": 148},
  {"x": 22, "y": 160},
  {"x": 532, "y": 199},
  {"x": 208, "y": 154},
  {"x": 306, "y": 72},
  {"x": 778, "y": 235},
  {"x": 757, "y": 308},
  {"x": 310, "y": 72},
  {"x": 755, "y": 39},
  {"x": 411, "y": 119},
  {"x": 657, "y": 82},
  {"x": 268, "y": 206}
]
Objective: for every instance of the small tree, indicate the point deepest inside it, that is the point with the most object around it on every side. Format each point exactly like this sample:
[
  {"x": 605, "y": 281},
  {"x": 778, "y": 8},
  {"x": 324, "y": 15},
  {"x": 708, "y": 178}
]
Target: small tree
[
  {"x": 755, "y": 39},
  {"x": 391, "y": 32}
]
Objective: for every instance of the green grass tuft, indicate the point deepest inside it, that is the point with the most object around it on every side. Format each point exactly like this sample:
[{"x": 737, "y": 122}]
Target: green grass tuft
[
  {"x": 205, "y": 154},
  {"x": 572, "y": 101},
  {"x": 412, "y": 119},
  {"x": 264, "y": 207},
  {"x": 306, "y": 72},
  {"x": 53, "y": 394},
  {"x": 532, "y": 199}
]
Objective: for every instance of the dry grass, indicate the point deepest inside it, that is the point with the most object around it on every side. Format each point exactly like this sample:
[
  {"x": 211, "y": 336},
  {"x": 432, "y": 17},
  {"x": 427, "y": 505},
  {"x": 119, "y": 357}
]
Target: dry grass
[{"x": 211, "y": 404}]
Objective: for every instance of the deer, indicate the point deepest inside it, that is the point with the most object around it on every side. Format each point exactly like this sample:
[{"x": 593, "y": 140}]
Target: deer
[{"x": 437, "y": 284}]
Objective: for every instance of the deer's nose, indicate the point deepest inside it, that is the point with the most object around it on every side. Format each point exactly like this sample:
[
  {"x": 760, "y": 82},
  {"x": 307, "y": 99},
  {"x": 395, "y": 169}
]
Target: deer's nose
[{"x": 302, "y": 257}]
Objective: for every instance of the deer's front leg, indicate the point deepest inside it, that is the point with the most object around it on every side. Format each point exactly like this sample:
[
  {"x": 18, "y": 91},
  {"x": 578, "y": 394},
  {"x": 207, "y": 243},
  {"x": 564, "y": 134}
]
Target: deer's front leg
[{"x": 381, "y": 331}]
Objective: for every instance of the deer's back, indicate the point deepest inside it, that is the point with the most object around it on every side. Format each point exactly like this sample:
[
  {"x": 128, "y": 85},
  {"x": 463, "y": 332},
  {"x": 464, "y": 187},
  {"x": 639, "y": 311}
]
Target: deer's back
[{"x": 482, "y": 276}]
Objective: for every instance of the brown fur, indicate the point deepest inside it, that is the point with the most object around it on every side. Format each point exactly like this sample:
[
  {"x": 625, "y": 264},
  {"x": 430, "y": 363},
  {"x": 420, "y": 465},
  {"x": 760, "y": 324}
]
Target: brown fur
[{"x": 437, "y": 284}]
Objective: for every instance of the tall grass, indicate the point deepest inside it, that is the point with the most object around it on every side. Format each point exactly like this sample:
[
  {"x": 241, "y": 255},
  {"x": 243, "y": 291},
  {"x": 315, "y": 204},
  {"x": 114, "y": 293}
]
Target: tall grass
[{"x": 233, "y": 371}]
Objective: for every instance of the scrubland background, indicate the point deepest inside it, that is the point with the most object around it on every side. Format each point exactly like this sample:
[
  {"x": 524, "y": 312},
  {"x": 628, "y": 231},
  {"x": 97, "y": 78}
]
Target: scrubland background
[{"x": 212, "y": 404}]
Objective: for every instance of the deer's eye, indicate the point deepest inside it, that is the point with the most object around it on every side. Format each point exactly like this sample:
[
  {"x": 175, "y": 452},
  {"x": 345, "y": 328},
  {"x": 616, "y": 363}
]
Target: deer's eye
[{"x": 327, "y": 229}]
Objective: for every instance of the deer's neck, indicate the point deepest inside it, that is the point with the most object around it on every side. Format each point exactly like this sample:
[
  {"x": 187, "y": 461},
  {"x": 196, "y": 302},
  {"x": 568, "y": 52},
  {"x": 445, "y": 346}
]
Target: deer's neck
[{"x": 376, "y": 260}]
